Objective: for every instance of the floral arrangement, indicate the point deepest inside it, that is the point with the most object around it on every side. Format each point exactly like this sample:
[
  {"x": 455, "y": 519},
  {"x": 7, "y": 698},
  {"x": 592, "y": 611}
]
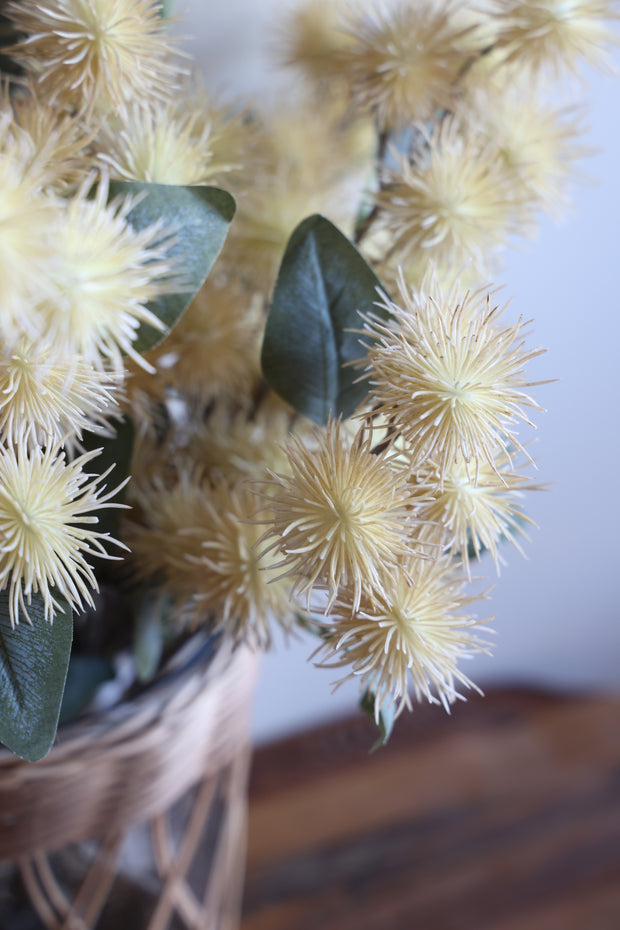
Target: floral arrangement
[{"x": 255, "y": 370}]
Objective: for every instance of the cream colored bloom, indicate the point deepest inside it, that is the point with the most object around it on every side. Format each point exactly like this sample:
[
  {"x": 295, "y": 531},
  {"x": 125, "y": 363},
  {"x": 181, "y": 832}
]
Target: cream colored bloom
[
  {"x": 537, "y": 146},
  {"x": 338, "y": 517},
  {"x": 45, "y": 399},
  {"x": 95, "y": 52},
  {"x": 47, "y": 518},
  {"x": 215, "y": 346},
  {"x": 170, "y": 143},
  {"x": 312, "y": 39},
  {"x": 554, "y": 34},
  {"x": 165, "y": 502},
  {"x": 412, "y": 632},
  {"x": 235, "y": 584},
  {"x": 450, "y": 378},
  {"x": 451, "y": 206},
  {"x": 27, "y": 249},
  {"x": 196, "y": 539},
  {"x": 306, "y": 160},
  {"x": 403, "y": 60},
  {"x": 105, "y": 274},
  {"x": 477, "y": 512},
  {"x": 55, "y": 141},
  {"x": 232, "y": 446}
]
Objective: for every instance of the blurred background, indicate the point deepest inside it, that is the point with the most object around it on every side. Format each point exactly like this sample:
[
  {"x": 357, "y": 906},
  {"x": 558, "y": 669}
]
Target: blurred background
[{"x": 557, "y": 618}]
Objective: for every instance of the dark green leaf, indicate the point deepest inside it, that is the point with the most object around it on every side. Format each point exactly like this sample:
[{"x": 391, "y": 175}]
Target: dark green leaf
[
  {"x": 384, "y": 721},
  {"x": 322, "y": 284},
  {"x": 200, "y": 218},
  {"x": 116, "y": 450},
  {"x": 33, "y": 669},
  {"x": 85, "y": 675},
  {"x": 149, "y": 636}
]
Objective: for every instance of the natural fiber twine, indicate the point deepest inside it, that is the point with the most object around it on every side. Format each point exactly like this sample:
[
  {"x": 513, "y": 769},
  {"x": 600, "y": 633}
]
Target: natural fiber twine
[{"x": 105, "y": 774}]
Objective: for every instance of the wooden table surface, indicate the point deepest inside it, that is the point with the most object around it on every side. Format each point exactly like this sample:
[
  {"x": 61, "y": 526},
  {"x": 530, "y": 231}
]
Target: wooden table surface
[{"x": 503, "y": 816}]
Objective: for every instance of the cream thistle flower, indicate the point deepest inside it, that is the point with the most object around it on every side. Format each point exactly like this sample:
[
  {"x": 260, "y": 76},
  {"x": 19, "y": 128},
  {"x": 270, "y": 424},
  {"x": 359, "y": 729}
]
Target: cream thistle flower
[
  {"x": 233, "y": 583},
  {"x": 95, "y": 52},
  {"x": 452, "y": 205},
  {"x": 197, "y": 541},
  {"x": 476, "y": 513},
  {"x": 293, "y": 179},
  {"x": 27, "y": 252},
  {"x": 450, "y": 378},
  {"x": 554, "y": 34},
  {"x": 44, "y": 399},
  {"x": 537, "y": 146},
  {"x": 47, "y": 510},
  {"x": 165, "y": 505},
  {"x": 166, "y": 143},
  {"x": 105, "y": 273},
  {"x": 413, "y": 630},
  {"x": 215, "y": 346},
  {"x": 312, "y": 39},
  {"x": 403, "y": 61},
  {"x": 231, "y": 446},
  {"x": 339, "y": 516},
  {"x": 56, "y": 141}
]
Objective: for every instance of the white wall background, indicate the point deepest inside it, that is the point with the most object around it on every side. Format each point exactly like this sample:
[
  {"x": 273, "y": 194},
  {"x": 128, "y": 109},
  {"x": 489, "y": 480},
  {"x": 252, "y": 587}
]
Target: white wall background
[{"x": 558, "y": 619}]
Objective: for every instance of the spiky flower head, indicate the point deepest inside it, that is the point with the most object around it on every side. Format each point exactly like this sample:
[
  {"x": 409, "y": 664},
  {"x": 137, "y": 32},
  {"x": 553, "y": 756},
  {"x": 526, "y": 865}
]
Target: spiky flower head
[
  {"x": 47, "y": 516},
  {"x": 556, "y": 35},
  {"x": 46, "y": 398},
  {"x": 55, "y": 141},
  {"x": 477, "y": 512},
  {"x": 231, "y": 446},
  {"x": 450, "y": 377},
  {"x": 215, "y": 346},
  {"x": 292, "y": 178},
  {"x": 451, "y": 206},
  {"x": 87, "y": 53},
  {"x": 413, "y": 632},
  {"x": 237, "y": 586},
  {"x": 168, "y": 143},
  {"x": 165, "y": 501},
  {"x": 403, "y": 60},
  {"x": 312, "y": 39},
  {"x": 195, "y": 538},
  {"x": 27, "y": 253},
  {"x": 537, "y": 146},
  {"x": 104, "y": 275},
  {"x": 339, "y": 514}
]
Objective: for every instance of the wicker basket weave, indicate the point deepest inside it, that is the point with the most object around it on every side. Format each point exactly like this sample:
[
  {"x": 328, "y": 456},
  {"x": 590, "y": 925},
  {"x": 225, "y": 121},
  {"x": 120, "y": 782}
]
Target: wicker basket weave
[{"x": 127, "y": 774}]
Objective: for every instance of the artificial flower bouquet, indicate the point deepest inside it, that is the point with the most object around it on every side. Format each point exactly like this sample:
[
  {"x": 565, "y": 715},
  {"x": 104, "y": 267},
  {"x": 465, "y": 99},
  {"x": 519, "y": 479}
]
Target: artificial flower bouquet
[{"x": 255, "y": 370}]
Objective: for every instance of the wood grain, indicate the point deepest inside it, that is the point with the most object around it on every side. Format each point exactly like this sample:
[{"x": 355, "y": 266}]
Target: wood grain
[{"x": 503, "y": 816}]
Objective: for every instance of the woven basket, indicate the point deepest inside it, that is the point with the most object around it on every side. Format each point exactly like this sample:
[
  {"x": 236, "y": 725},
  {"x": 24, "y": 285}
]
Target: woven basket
[{"x": 136, "y": 818}]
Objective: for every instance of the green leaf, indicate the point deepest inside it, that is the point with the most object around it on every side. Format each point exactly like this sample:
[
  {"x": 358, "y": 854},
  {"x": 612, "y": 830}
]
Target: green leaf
[
  {"x": 33, "y": 669},
  {"x": 385, "y": 720},
  {"x": 200, "y": 218},
  {"x": 149, "y": 636},
  {"x": 116, "y": 450},
  {"x": 322, "y": 284},
  {"x": 85, "y": 675}
]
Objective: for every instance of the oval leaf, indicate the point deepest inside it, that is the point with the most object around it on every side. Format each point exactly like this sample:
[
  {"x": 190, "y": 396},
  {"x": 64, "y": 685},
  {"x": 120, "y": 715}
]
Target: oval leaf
[
  {"x": 148, "y": 636},
  {"x": 200, "y": 218},
  {"x": 86, "y": 673},
  {"x": 33, "y": 670},
  {"x": 383, "y": 718},
  {"x": 322, "y": 286},
  {"x": 117, "y": 451}
]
